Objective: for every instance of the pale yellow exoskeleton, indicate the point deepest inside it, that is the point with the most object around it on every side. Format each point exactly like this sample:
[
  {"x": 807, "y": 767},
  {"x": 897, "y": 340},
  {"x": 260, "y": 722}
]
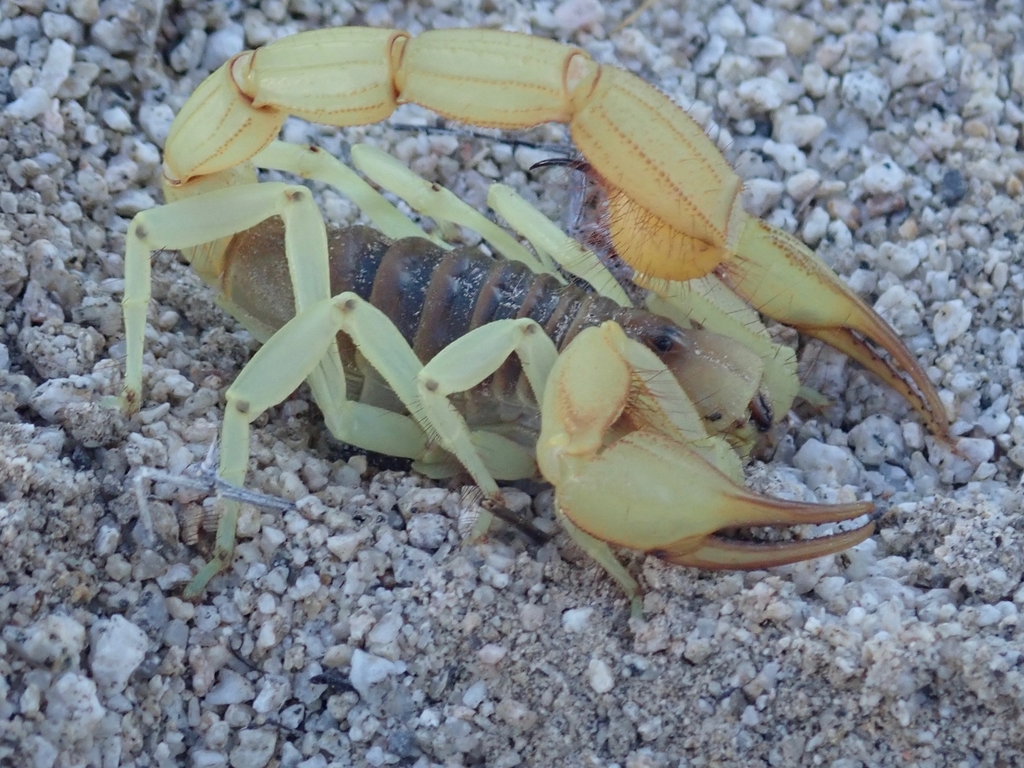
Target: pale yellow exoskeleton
[{"x": 609, "y": 406}]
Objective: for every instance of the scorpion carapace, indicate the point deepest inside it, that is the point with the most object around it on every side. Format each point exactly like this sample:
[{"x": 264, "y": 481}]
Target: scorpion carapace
[{"x": 434, "y": 296}]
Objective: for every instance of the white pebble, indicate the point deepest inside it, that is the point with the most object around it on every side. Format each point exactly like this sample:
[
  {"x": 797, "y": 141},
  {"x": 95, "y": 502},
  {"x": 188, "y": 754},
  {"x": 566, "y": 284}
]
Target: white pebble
[
  {"x": 599, "y": 675},
  {"x": 222, "y": 45},
  {"x": 156, "y": 120},
  {"x": 920, "y": 58},
  {"x": 761, "y": 195},
  {"x": 883, "y": 178},
  {"x": 827, "y": 465},
  {"x": 951, "y": 321},
  {"x": 763, "y": 94},
  {"x": 976, "y": 450},
  {"x": 231, "y": 688},
  {"x": 865, "y": 92},
  {"x": 491, "y": 653},
  {"x": 275, "y": 690},
  {"x": 727, "y": 23},
  {"x": 573, "y": 15},
  {"x": 764, "y": 47},
  {"x": 368, "y": 670},
  {"x": 475, "y": 695},
  {"x": 788, "y": 156},
  {"x": 189, "y": 52},
  {"x": 815, "y": 226},
  {"x": 254, "y": 750},
  {"x": 63, "y": 27},
  {"x": 54, "y": 639},
  {"x": 799, "y": 130},
  {"x": 901, "y": 260},
  {"x": 118, "y": 647},
  {"x": 72, "y": 701},
  {"x": 711, "y": 54},
  {"x": 386, "y": 630},
  {"x": 112, "y": 35},
  {"x": 800, "y": 185},
  {"x": 877, "y": 439},
  {"x": 118, "y": 119},
  {"x": 57, "y": 66},
  {"x": 344, "y": 546},
  {"x": 32, "y": 103},
  {"x": 576, "y": 619},
  {"x": 427, "y": 531},
  {"x": 304, "y": 586}
]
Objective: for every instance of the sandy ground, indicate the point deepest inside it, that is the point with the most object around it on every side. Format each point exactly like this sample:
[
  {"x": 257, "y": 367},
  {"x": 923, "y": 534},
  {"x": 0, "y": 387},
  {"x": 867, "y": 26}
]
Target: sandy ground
[{"x": 358, "y": 630}]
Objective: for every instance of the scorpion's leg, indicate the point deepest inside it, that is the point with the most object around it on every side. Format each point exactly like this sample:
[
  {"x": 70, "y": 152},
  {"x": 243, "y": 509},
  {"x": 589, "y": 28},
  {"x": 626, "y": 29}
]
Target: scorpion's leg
[
  {"x": 664, "y": 487},
  {"x": 293, "y": 353},
  {"x": 437, "y": 202},
  {"x": 311, "y": 162},
  {"x": 546, "y": 238},
  {"x": 190, "y": 223}
]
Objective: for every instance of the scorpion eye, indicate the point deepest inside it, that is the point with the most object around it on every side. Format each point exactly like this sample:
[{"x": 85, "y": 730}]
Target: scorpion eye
[{"x": 663, "y": 343}]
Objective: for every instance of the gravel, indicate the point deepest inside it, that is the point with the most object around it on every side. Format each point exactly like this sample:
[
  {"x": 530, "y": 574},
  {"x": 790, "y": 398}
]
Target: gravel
[{"x": 357, "y": 629}]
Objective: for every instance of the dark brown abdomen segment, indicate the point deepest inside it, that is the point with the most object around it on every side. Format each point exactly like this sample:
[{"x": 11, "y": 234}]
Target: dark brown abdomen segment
[{"x": 432, "y": 295}]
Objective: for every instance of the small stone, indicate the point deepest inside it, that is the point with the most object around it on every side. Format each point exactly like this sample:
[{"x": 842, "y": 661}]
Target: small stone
[
  {"x": 876, "y": 440},
  {"x": 952, "y": 188},
  {"x": 475, "y": 695},
  {"x": 976, "y": 450},
  {"x": 118, "y": 119},
  {"x": 951, "y": 321},
  {"x": 112, "y": 35},
  {"x": 32, "y": 103},
  {"x": 189, "y": 52},
  {"x": 574, "y": 15},
  {"x": 798, "y": 33},
  {"x": 599, "y": 675},
  {"x": 491, "y": 653},
  {"x": 827, "y": 465},
  {"x": 801, "y": 185},
  {"x": 156, "y": 120},
  {"x": 865, "y": 92},
  {"x": 763, "y": 94},
  {"x": 920, "y": 57},
  {"x": 57, "y": 66},
  {"x": 516, "y": 714},
  {"x": 727, "y": 23},
  {"x": 60, "y": 26},
  {"x": 222, "y": 45},
  {"x": 231, "y": 688},
  {"x": 274, "y": 691},
  {"x": 576, "y": 619},
  {"x": 765, "y": 47},
  {"x": 428, "y": 531},
  {"x": 532, "y": 616},
  {"x": 761, "y": 195},
  {"x": 53, "y": 640},
  {"x": 799, "y": 130},
  {"x": 883, "y": 178},
  {"x": 254, "y": 750},
  {"x": 815, "y": 226},
  {"x": 901, "y": 260},
  {"x": 344, "y": 546},
  {"x": 118, "y": 647},
  {"x": 367, "y": 670},
  {"x": 72, "y": 702}
]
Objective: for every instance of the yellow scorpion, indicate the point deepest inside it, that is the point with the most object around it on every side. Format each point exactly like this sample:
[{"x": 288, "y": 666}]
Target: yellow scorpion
[{"x": 633, "y": 459}]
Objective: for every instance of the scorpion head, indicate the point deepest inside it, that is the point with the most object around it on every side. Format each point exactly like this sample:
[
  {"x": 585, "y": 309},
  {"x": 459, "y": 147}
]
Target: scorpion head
[{"x": 721, "y": 377}]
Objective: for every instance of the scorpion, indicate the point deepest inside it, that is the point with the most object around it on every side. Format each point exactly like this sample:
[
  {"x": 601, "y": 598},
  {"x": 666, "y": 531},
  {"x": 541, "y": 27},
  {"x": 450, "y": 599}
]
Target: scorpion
[{"x": 452, "y": 358}]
